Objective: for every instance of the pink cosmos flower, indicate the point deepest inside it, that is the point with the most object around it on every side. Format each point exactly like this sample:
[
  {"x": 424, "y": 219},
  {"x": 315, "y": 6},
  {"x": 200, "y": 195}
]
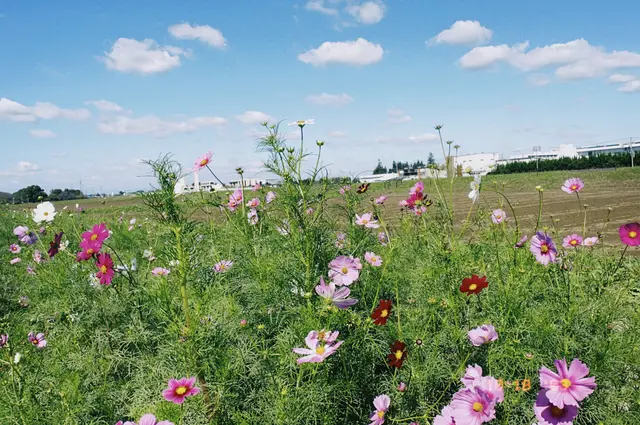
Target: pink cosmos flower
[
  {"x": 367, "y": 220},
  {"x": 37, "y": 340},
  {"x": 147, "y": 419},
  {"x": 37, "y": 256},
  {"x": 25, "y": 236},
  {"x": 572, "y": 241},
  {"x": 381, "y": 403},
  {"x": 30, "y": 270},
  {"x": 256, "y": 187},
  {"x": 630, "y": 234},
  {"x": 222, "y": 266},
  {"x": 472, "y": 407},
  {"x": 309, "y": 211},
  {"x": 382, "y": 238},
  {"x": 445, "y": 417},
  {"x": 99, "y": 233},
  {"x": 403, "y": 203},
  {"x": 548, "y": 414},
  {"x": 15, "y": 260},
  {"x": 14, "y": 249},
  {"x": 4, "y": 340},
  {"x": 344, "y": 189},
  {"x": 372, "y": 259},
  {"x": 105, "y": 269},
  {"x": 380, "y": 200},
  {"x": 418, "y": 187},
  {"x": 543, "y": 247},
  {"x": 317, "y": 351},
  {"x": 590, "y": 241},
  {"x": 89, "y": 249},
  {"x": 573, "y": 185},
  {"x": 253, "y": 203},
  {"x": 344, "y": 270},
  {"x": 471, "y": 375},
  {"x": 160, "y": 271},
  {"x": 521, "y": 242},
  {"x": 568, "y": 386},
  {"x": 402, "y": 387},
  {"x": 340, "y": 240},
  {"x": 488, "y": 384},
  {"x": 179, "y": 389},
  {"x": 482, "y": 335},
  {"x": 338, "y": 297},
  {"x": 235, "y": 199},
  {"x": 498, "y": 216},
  {"x": 252, "y": 217},
  {"x": 203, "y": 161},
  {"x": 271, "y": 196}
]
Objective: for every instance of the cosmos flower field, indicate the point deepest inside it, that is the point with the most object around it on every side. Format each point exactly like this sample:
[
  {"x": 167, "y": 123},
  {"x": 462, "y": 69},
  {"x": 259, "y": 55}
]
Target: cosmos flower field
[{"x": 316, "y": 303}]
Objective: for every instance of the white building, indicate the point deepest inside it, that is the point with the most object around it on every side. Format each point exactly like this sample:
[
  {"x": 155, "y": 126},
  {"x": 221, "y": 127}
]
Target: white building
[
  {"x": 571, "y": 151},
  {"x": 476, "y": 163},
  {"x": 610, "y": 148}
]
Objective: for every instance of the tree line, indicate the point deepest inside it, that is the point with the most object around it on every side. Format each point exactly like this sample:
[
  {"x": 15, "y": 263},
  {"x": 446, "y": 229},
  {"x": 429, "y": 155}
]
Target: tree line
[
  {"x": 400, "y": 165},
  {"x": 579, "y": 163},
  {"x": 35, "y": 193}
]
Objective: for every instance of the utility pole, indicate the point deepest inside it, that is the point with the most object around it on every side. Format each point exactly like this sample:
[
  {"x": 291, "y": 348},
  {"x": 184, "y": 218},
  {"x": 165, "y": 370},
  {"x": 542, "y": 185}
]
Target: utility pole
[
  {"x": 631, "y": 150},
  {"x": 536, "y": 150}
]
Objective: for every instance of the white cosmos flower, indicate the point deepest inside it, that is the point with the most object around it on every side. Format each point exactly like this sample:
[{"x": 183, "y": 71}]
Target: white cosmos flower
[
  {"x": 44, "y": 212},
  {"x": 16, "y": 358},
  {"x": 474, "y": 195},
  {"x": 302, "y": 123}
]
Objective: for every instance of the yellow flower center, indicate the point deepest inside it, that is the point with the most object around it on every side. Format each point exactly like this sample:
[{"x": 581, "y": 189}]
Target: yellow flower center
[
  {"x": 204, "y": 162},
  {"x": 398, "y": 354},
  {"x": 565, "y": 383},
  {"x": 381, "y": 414},
  {"x": 473, "y": 287},
  {"x": 344, "y": 270},
  {"x": 46, "y": 213},
  {"x": 90, "y": 251},
  {"x": 574, "y": 186},
  {"x": 221, "y": 266},
  {"x": 498, "y": 217},
  {"x": 633, "y": 234},
  {"x": 103, "y": 269},
  {"x": 544, "y": 249},
  {"x": 365, "y": 221},
  {"x": 477, "y": 406},
  {"x": 320, "y": 350},
  {"x": 94, "y": 237},
  {"x": 181, "y": 390},
  {"x": 384, "y": 313},
  {"x": 556, "y": 411},
  {"x": 301, "y": 123},
  {"x": 35, "y": 342},
  {"x": 374, "y": 259},
  {"x": 573, "y": 242}
]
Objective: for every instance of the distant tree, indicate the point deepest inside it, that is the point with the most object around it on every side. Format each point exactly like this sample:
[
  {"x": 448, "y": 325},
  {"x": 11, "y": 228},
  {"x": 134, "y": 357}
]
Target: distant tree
[
  {"x": 431, "y": 160},
  {"x": 33, "y": 193},
  {"x": 5, "y": 197},
  {"x": 580, "y": 163},
  {"x": 65, "y": 195},
  {"x": 380, "y": 169}
]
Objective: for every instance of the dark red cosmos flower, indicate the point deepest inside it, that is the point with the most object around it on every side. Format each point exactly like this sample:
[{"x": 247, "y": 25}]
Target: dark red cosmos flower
[
  {"x": 398, "y": 354},
  {"x": 382, "y": 312},
  {"x": 473, "y": 284},
  {"x": 54, "y": 246}
]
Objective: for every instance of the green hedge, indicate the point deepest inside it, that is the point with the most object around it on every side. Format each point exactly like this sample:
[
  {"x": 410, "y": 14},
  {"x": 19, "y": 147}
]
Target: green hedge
[{"x": 581, "y": 163}]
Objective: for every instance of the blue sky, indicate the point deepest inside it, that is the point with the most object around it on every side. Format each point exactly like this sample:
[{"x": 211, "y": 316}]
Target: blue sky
[{"x": 88, "y": 89}]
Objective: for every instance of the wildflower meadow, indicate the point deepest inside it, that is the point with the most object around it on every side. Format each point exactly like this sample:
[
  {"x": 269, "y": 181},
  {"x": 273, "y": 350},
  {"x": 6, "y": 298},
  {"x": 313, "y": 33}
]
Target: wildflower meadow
[{"x": 317, "y": 303}]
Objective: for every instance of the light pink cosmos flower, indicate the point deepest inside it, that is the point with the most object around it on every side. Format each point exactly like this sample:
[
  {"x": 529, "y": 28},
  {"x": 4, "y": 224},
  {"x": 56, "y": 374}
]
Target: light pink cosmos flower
[
  {"x": 573, "y": 185},
  {"x": 403, "y": 203},
  {"x": 590, "y": 241},
  {"x": 543, "y": 247},
  {"x": 317, "y": 351},
  {"x": 30, "y": 270},
  {"x": 344, "y": 189},
  {"x": 572, "y": 241},
  {"x": 340, "y": 240},
  {"x": 373, "y": 259},
  {"x": 473, "y": 379},
  {"x": 570, "y": 385},
  {"x": 15, "y": 260},
  {"x": 344, "y": 270},
  {"x": 367, "y": 221},
  {"x": 14, "y": 249},
  {"x": 147, "y": 419},
  {"x": 203, "y": 161},
  {"x": 382, "y": 404},
  {"x": 498, "y": 216},
  {"x": 253, "y": 203},
  {"x": 235, "y": 199},
  {"x": 382, "y": 238},
  {"x": 309, "y": 211},
  {"x": 37, "y": 340},
  {"x": 37, "y": 256},
  {"x": 472, "y": 407},
  {"x": 338, "y": 297},
  {"x": 471, "y": 375},
  {"x": 380, "y": 199},
  {"x": 482, "y": 335},
  {"x": 179, "y": 389},
  {"x": 445, "y": 417},
  {"x": 271, "y": 196},
  {"x": 418, "y": 187},
  {"x": 222, "y": 266},
  {"x": 252, "y": 217},
  {"x": 160, "y": 271},
  {"x": 256, "y": 187}
]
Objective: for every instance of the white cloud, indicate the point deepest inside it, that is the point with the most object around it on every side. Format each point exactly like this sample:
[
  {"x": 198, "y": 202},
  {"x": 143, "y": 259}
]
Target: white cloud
[
  {"x": 574, "y": 60},
  {"x": 368, "y": 13},
  {"x": 14, "y": 111},
  {"x": 105, "y": 105},
  {"x": 337, "y": 134},
  {"x": 318, "y": 6},
  {"x": 463, "y": 32},
  {"x": 426, "y": 137},
  {"x": 43, "y": 134},
  {"x": 155, "y": 126},
  {"x": 358, "y": 52},
  {"x": 253, "y": 117},
  {"x": 397, "y": 116},
  {"x": 539, "y": 80},
  {"x": 23, "y": 168},
  {"x": 621, "y": 78},
  {"x": 630, "y": 87},
  {"x": 204, "y": 33},
  {"x": 27, "y": 166},
  {"x": 628, "y": 83},
  {"x": 329, "y": 99},
  {"x": 142, "y": 57}
]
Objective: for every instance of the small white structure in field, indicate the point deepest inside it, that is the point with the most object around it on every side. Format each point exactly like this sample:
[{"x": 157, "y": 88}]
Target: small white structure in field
[{"x": 476, "y": 163}]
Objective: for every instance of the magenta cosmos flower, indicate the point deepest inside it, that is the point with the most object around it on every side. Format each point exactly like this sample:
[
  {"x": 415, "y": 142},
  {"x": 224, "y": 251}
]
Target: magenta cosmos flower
[
  {"x": 573, "y": 185},
  {"x": 590, "y": 241},
  {"x": 89, "y": 249},
  {"x": 445, "y": 417},
  {"x": 344, "y": 270},
  {"x": 317, "y": 350},
  {"x": 37, "y": 340},
  {"x": 630, "y": 234},
  {"x": 498, "y": 216},
  {"x": 222, "y": 266},
  {"x": 373, "y": 259},
  {"x": 568, "y": 386},
  {"x": 203, "y": 161},
  {"x": 99, "y": 233},
  {"x": 381, "y": 403},
  {"x": 380, "y": 199},
  {"x": 160, "y": 271},
  {"x": 543, "y": 247},
  {"x": 105, "y": 269},
  {"x": 472, "y": 407},
  {"x": 572, "y": 241},
  {"x": 338, "y": 297},
  {"x": 147, "y": 419},
  {"x": 179, "y": 389},
  {"x": 14, "y": 249},
  {"x": 367, "y": 221},
  {"x": 548, "y": 414},
  {"x": 482, "y": 335}
]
